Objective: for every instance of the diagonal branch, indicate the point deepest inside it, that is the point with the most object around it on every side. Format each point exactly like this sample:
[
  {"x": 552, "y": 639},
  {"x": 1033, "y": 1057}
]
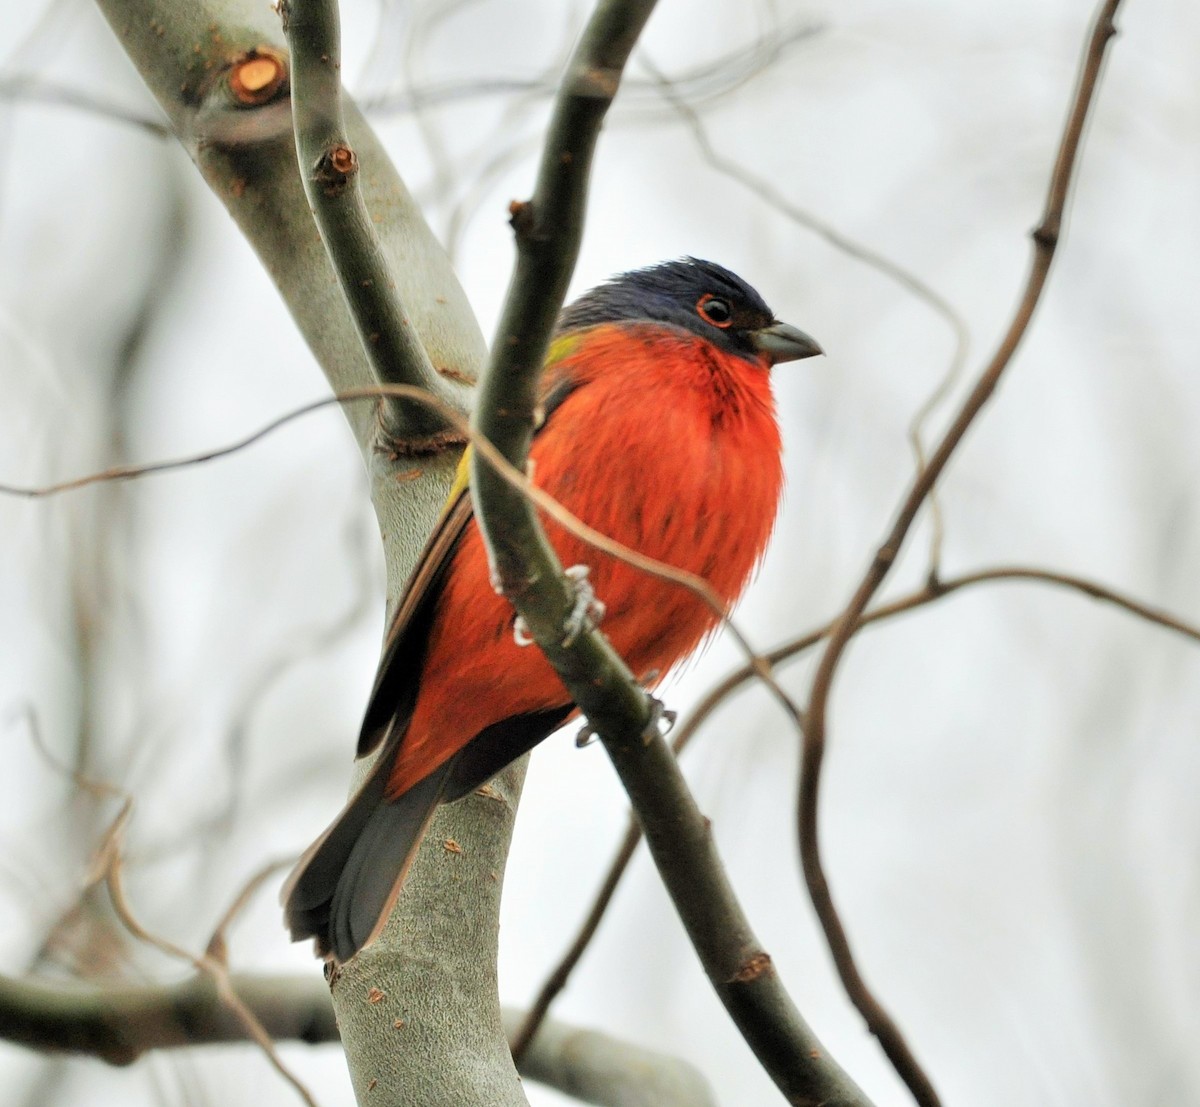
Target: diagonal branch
[
  {"x": 329, "y": 167},
  {"x": 1045, "y": 240},
  {"x": 489, "y": 454},
  {"x": 934, "y": 590},
  {"x": 548, "y": 232},
  {"x": 524, "y": 1034}
]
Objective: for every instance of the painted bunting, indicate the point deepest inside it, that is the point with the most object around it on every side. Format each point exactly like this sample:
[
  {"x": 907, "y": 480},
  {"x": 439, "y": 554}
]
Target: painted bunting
[{"x": 658, "y": 430}]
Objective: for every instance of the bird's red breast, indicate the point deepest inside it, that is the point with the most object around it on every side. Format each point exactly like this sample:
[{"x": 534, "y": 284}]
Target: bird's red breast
[{"x": 665, "y": 443}]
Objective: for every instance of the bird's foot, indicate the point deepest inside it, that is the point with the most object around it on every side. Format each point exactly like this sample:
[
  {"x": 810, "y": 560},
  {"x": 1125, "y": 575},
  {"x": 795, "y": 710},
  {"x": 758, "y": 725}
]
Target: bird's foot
[
  {"x": 585, "y": 615},
  {"x": 521, "y": 634},
  {"x": 659, "y": 725},
  {"x": 588, "y": 609},
  {"x": 661, "y": 721}
]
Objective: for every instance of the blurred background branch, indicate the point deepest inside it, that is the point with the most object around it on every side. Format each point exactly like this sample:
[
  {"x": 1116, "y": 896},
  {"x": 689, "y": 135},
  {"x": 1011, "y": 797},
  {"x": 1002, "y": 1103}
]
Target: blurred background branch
[{"x": 120, "y": 1023}]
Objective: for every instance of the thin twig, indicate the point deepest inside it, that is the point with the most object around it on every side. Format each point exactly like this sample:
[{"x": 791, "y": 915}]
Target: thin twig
[
  {"x": 111, "y": 871},
  {"x": 27, "y": 89},
  {"x": 122, "y": 473},
  {"x": 762, "y": 188},
  {"x": 107, "y": 868},
  {"x": 557, "y": 980},
  {"x": 218, "y": 944},
  {"x": 701, "y": 84},
  {"x": 491, "y": 456},
  {"x": 1045, "y": 239},
  {"x": 330, "y": 170},
  {"x": 933, "y": 591}
]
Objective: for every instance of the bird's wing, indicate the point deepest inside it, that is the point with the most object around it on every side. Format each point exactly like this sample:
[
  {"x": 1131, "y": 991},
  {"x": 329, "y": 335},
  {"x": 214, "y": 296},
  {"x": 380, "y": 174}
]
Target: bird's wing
[
  {"x": 341, "y": 890},
  {"x": 395, "y": 693},
  {"x": 396, "y": 681}
]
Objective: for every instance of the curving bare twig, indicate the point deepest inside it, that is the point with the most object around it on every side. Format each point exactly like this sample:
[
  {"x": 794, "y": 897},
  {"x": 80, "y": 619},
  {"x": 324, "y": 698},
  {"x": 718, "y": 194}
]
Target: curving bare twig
[
  {"x": 107, "y": 869},
  {"x": 934, "y": 590},
  {"x": 218, "y": 943},
  {"x": 505, "y": 472},
  {"x": 761, "y": 187},
  {"x": 700, "y": 84},
  {"x": 1045, "y": 240}
]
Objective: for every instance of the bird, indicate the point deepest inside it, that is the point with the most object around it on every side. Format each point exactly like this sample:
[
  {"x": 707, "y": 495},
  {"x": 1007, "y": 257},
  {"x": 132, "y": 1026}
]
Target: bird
[{"x": 658, "y": 428}]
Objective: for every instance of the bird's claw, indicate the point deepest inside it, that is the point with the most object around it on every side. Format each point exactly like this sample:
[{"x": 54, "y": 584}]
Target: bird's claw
[
  {"x": 585, "y": 614},
  {"x": 661, "y": 721},
  {"x": 521, "y": 634},
  {"x": 659, "y": 726},
  {"x": 588, "y": 609}
]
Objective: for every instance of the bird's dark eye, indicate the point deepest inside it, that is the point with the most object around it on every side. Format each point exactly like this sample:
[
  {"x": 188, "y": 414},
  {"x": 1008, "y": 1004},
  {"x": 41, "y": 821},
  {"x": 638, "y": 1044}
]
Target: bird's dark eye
[{"x": 714, "y": 310}]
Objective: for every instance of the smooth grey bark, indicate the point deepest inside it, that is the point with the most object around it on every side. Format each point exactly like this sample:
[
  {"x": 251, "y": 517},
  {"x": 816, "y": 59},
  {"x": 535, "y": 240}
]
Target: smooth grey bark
[
  {"x": 597, "y": 1068},
  {"x": 434, "y": 966}
]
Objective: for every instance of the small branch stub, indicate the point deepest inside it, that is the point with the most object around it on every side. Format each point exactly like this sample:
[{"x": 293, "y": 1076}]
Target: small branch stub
[
  {"x": 334, "y": 169},
  {"x": 520, "y": 217},
  {"x": 258, "y": 76},
  {"x": 753, "y": 968},
  {"x": 597, "y": 82}
]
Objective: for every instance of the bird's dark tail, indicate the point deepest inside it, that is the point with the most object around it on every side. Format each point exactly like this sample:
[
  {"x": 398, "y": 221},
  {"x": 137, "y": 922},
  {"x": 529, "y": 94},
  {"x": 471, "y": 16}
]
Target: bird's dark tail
[{"x": 343, "y": 887}]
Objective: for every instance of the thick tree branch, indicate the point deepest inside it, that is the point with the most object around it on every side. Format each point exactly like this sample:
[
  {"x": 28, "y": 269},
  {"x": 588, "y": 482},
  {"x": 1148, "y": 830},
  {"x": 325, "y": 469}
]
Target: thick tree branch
[
  {"x": 548, "y": 231},
  {"x": 118, "y": 1024},
  {"x": 1045, "y": 240},
  {"x": 221, "y": 75},
  {"x": 121, "y": 1023},
  {"x": 605, "y": 1071},
  {"x": 218, "y": 69}
]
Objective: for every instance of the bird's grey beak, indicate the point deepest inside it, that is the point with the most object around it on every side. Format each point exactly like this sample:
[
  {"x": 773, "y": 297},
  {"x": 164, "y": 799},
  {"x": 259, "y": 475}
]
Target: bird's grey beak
[{"x": 783, "y": 342}]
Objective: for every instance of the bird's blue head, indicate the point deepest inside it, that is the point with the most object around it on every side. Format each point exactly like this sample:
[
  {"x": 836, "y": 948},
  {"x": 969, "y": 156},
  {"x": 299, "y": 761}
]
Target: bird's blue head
[{"x": 700, "y": 297}]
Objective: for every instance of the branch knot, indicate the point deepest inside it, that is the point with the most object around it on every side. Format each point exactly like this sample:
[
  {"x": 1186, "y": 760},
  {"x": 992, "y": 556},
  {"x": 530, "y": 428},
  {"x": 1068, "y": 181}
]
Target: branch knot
[
  {"x": 258, "y": 76},
  {"x": 335, "y": 168}
]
